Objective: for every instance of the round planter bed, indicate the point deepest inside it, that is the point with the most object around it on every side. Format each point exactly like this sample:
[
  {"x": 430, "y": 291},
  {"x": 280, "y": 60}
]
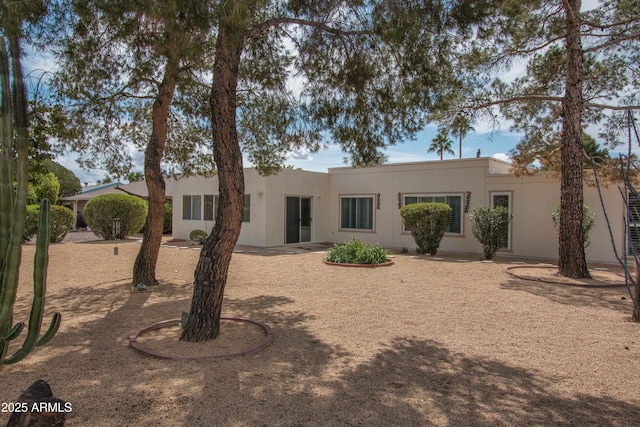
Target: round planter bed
[
  {"x": 137, "y": 346},
  {"x": 344, "y": 264},
  {"x": 598, "y": 279}
]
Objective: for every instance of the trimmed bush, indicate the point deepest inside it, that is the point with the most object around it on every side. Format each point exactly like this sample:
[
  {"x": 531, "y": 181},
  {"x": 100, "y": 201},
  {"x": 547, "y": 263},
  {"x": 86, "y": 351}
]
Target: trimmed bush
[
  {"x": 167, "y": 228},
  {"x": 61, "y": 222},
  {"x": 428, "y": 223},
  {"x": 101, "y": 210},
  {"x": 30, "y": 222},
  {"x": 356, "y": 252},
  {"x": 489, "y": 226},
  {"x": 588, "y": 222},
  {"x": 198, "y": 236}
]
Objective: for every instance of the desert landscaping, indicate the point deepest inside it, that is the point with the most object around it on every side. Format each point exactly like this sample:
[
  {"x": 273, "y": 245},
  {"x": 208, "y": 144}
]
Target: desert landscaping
[{"x": 444, "y": 341}]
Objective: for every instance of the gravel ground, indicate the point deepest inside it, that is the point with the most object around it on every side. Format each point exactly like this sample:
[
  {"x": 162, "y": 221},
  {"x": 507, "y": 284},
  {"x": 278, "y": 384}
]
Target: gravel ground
[{"x": 424, "y": 342}]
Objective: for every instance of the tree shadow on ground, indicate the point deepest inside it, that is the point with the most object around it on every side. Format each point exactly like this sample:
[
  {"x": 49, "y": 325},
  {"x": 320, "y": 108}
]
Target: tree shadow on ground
[
  {"x": 611, "y": 298},
  {"x": 411, "y": 382},
  {"x": 299, "y": 380}
]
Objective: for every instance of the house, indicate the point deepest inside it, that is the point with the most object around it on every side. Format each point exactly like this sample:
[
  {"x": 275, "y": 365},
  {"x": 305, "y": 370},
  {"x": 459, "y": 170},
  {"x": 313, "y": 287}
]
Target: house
[
  {"x": 297, "y": 206},
  {"x": 78, "y": 201}
]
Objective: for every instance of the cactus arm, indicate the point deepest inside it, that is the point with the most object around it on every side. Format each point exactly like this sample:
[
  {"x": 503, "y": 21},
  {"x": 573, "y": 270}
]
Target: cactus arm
[
  {"x": 40, "y": 263},
  {"x": 53, "y": 328},
  {"x": 13, "y": 332}
]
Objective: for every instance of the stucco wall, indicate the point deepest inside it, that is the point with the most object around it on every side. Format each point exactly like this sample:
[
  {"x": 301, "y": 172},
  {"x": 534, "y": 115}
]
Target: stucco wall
[
  {"x": 532, "y": 199},
  {"x": 394, "y": 181},
  {"x": 251, "y": 233},
  {"x": 267, "y": 194}
]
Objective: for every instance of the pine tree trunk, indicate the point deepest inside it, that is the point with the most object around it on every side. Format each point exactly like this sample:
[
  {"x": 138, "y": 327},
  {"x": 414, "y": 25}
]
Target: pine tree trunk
[
  {"x": 572, "y": 261},
  {"x": 144, "y": 268},
  {"x": 211, "y": 272}
]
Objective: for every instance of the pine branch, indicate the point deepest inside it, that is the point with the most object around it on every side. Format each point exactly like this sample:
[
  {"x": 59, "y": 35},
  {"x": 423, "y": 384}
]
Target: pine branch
[{"x": 261, "y": 28}]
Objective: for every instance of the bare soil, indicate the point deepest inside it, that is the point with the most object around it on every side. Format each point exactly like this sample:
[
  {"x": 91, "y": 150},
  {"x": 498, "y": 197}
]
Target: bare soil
[{"x": 426, "y": 341}]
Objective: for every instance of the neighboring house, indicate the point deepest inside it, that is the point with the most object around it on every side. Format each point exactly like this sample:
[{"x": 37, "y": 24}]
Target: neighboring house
[
  {"x": 297, "y": 206},
  {"x": 78, "y": 201}
]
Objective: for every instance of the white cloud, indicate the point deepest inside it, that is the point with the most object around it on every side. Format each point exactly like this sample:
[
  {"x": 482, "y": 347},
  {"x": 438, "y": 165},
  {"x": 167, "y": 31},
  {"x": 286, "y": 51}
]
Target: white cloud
[
  {"x": 502, "y": 156},
  {"x": 299, "y": 154}
]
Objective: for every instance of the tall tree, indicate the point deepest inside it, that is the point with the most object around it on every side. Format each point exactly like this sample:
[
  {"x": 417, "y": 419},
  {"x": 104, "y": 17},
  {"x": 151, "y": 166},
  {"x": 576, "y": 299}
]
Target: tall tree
[
  {"x": 579, "y": 64},
  {"x": 357, "y": 88},
  {"x": 441, "y": 143},
  {"x": 123, "y": 63},
  {"x": 460, "y": 127}
]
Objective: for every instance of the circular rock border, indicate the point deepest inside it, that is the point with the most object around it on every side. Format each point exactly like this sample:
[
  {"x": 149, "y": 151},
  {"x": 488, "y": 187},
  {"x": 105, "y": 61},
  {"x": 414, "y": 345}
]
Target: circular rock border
[
  {"x": 133, "y": 341},
  {"x": 555, "y": 282},
  {"x": 344, "y": 264}
]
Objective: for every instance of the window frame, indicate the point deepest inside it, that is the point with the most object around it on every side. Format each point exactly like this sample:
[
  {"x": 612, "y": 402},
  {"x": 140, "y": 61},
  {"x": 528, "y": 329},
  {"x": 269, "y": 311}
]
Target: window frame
[
  {"x": 188, "y": 215},
  {"x": 509, "y": 207},
  {"x": 371, "y": 197},
  {"x": 246, "y": 208},
  {"x": 461, "y": 195}
]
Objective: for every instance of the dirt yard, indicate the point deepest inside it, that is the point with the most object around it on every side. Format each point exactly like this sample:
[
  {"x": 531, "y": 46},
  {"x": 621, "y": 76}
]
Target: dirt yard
[{"x": 442, "y": 342}]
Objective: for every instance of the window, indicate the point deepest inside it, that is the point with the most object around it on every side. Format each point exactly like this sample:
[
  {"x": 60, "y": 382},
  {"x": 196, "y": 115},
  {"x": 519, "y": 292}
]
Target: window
[
  {"x": 503, "y": 199},
  {"x": 356, "y": 212},
  {"x": 453, "y": 200},
  {"x": 633, "y": 219},
  {"x": 246, "y": 209},
  {"x": 191, "y": 207},
  {"x": 210, "y": 207}
]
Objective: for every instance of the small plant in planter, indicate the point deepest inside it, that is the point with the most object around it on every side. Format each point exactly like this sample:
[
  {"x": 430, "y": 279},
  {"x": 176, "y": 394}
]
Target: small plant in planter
[{"x": 357, "y": 252}]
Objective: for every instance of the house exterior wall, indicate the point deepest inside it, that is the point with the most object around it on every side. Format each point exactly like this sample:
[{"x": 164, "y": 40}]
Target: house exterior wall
[
  {"x": 294, "y": 183},
  {"x": 267, "y": 198},
  {"x": 532, "y": 199},
  {"x": 475, "y": 180},
  {"x": 394, "y": 182}
]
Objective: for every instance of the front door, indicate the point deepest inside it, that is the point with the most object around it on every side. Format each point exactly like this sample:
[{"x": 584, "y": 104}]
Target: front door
[{"x": 298, "y": 219}]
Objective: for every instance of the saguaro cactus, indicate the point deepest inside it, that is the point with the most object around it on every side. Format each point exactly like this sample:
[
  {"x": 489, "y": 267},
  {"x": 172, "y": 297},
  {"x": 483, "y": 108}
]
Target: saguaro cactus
[{"x": 13, "y": 200}]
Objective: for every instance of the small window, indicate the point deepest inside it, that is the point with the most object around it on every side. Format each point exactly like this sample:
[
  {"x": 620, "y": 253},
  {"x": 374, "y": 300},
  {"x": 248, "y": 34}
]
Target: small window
[
  {"x": 356, "y": 213},
  {"x": 246, "y": 209},
  {"x": 453, "y": 200},
  {"x": 210, "y": 207},
  {"x": 191, "y": 207}
]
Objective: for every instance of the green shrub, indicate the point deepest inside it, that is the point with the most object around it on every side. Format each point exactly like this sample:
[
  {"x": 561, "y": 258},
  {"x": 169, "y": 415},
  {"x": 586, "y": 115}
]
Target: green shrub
[
  {"x": 198, "y": 236},
  {"x": 61, "y": 222},
  {"x": 44, "y": 186},
  {"x": 30, "y": 222},
  {"x": 101, "y": 210},
  {"x": 588, "y": 222},
  {"x": 356, "y": 252},
  {"x": 168, "y": 218},
  {"x": 428, "y": 223},
  {"x": 489, "y": 226}
]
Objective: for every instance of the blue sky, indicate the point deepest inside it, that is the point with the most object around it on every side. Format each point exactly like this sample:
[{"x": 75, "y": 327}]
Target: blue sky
[{"x": 496, "y": 145}]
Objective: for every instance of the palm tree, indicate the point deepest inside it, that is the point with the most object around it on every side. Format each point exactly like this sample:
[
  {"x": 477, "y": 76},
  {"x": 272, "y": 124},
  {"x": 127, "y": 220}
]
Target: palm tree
[
  {"x": 460, "y": 127},
  {"x": 441, "y": 143}
]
